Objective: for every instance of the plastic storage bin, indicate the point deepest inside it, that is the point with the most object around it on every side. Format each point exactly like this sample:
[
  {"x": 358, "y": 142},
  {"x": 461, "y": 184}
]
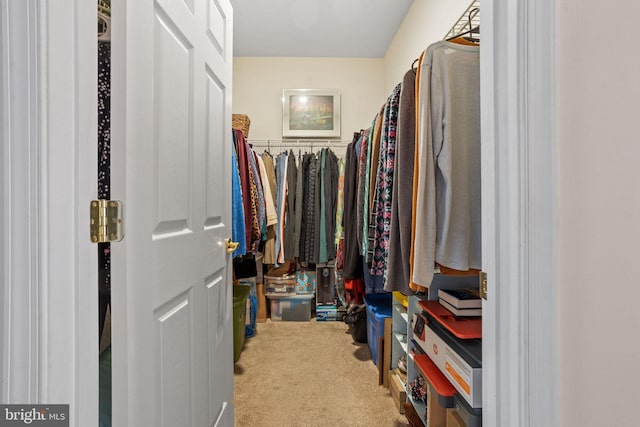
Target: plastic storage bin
[
  {"x": 240, "y": 293},
  {"x": 280, "y": 285},
  {"x": 252, "y": 307},
  {"x": 295, "y": 308},
  {"x": 463, "y": 415},
  {"x": 378, "y": 309}
]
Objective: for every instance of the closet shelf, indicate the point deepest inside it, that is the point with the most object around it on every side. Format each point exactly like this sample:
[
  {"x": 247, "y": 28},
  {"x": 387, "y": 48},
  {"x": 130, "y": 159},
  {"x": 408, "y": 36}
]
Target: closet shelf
[
  {"x": 420, "y": 407},
  {"x": 402, "y": 340},
  {"x": 402, "y": 312}
]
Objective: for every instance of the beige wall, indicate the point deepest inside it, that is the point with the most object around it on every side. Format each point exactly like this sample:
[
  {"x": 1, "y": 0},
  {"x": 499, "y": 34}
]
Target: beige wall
[
  {"x": 598, "y": 95},
  {"x": 365, "y": 84},
  {"x": 427, "y": 21},
  {"x": 258, "y": 84}
]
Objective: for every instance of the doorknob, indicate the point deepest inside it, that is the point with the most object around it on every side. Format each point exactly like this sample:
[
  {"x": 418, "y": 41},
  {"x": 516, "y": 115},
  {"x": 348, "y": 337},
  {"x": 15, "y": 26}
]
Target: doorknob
[{"x": 232, "y": 246}]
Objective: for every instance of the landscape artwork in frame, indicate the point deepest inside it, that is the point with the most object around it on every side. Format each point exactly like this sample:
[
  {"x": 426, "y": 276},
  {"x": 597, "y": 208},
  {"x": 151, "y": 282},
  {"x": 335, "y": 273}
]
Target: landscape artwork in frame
[{"x": 310, "y": 113}]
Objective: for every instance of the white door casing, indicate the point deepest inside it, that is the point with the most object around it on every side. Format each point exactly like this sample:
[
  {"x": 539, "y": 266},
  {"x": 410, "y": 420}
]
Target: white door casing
[
  {"x": 172, "y": 341},
  {"x": 520, "y": 349},
  {"x": 18, "y": 193},
  {"x": 49, "y": 67}
]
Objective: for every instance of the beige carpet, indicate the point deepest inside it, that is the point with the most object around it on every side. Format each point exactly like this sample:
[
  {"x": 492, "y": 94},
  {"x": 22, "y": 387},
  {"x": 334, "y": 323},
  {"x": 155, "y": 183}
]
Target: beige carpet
[{"x": 309, "y": 374}]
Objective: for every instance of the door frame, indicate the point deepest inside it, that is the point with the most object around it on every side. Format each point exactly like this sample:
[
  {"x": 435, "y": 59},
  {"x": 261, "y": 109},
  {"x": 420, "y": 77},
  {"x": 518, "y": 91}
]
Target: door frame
[
  {"x": 18, "y": 239},
  {"x": 50, "y": 145},
  {"x": 58, "y": 261},
  {"x": 519, "y": 186}
]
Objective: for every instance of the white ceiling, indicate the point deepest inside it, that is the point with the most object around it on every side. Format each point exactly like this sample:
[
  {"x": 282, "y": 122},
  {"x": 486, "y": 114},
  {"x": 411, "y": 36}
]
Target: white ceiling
[{"x": 320, "y": 28}]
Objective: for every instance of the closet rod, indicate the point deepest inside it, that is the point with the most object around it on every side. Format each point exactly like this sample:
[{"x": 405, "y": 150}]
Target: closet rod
[
  {"x": 298, "y": 141},
  {"x": 339, "y": 147}
]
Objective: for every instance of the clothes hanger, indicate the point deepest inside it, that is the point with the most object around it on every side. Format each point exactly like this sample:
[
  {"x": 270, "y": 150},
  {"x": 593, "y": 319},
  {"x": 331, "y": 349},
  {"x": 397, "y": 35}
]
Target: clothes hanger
[
  {"x": 413, "y": 65},
  {"x": 472, "y": 30},
  {"x": 470, "y": 38}
]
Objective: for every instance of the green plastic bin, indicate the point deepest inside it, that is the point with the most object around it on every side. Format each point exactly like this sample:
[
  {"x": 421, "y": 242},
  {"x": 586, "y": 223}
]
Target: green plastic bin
[{"x": 240, "y": 293}]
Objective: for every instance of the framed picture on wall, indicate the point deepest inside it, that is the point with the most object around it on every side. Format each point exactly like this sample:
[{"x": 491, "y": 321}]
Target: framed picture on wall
[{"x": 310, "y": 113}]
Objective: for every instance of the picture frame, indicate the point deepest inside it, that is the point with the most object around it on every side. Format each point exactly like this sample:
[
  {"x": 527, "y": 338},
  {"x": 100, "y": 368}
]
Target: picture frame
[{"x": 310, "y": 113}]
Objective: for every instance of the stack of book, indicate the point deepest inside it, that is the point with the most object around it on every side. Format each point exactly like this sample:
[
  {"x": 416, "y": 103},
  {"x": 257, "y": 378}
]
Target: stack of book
[{"x": 461, "y": 302}]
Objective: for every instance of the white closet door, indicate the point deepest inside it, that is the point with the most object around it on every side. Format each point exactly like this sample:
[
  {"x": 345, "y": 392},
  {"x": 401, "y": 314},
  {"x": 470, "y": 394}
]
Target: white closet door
[{"x": 171, "y": 151}]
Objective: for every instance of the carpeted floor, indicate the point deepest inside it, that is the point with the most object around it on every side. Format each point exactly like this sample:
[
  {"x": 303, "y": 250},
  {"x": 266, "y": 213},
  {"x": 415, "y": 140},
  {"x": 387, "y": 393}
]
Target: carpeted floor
[{"x": 306, "y": 374}]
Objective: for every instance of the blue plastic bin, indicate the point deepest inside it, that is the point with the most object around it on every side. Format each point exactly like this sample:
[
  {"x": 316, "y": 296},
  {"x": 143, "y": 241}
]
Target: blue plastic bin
[{"x": 378, "y": 309}]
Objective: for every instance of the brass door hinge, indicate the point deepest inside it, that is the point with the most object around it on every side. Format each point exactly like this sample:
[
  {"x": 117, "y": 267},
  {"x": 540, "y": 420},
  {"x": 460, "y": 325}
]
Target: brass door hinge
[
  {"x": 106, "y": 221},
  {"x": 483, "y": 285}
]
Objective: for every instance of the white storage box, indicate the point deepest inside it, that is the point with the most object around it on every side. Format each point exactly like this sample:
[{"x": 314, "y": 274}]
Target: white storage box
[{"x": 295, "y": 308}]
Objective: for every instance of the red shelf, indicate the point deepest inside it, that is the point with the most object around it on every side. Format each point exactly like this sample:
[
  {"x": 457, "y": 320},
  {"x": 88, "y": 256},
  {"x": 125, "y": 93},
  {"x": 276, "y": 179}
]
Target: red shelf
[
  {"x": 461, "y": 327},
  {"x": 438, "y": 381}
]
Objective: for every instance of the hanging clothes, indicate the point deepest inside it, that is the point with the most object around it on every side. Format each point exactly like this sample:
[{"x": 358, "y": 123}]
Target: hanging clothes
[
  {"x": 352, "y": 257},
  {"x": 290, "y": 213},
  {"x": 310, "y": 217},
  {"x": 340, "y": 203},
  {"x": 237, "y": 208},
  {"x": 298, "y": 209},
  {"x": 384, "y": 185},
  {"x": 263, "y": 201},
  {"x": 269, "y": 250},
  {"x": 248, "y": 197},
  {"x": 270, "y": 207},
  {"x": 104, "y": 120},
  {"x": 339, "y": 234},
  {"x": 304, "y": 215},
  {"x": 332, "y": 177},
  {"x": 315, "y": 257},
  {"x": 257, "y": 200},
  {"x": 448, "y": 194},
  {"x": 328, "y": 205},
  {"x": 104, "y": 173},
  {"x": 281, "y": 192},
  {"x": 416, "y": 170},
  {"x": 398, "y": 272},
  {"x": 368, "y": 231},
  {"x": 322, "y": 237},
  {"x": 362, "y": 176},
  {"x": 306, "y": 202}
]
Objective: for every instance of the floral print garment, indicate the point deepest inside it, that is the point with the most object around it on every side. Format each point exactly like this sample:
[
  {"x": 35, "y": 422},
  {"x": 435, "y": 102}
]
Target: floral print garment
[{"x": 384, "y": 185}]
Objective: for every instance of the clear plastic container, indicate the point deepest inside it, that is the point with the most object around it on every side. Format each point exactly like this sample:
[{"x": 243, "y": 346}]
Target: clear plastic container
[
  {"x": 296, "y": 308},
  {"x": 276, "y": 286}
]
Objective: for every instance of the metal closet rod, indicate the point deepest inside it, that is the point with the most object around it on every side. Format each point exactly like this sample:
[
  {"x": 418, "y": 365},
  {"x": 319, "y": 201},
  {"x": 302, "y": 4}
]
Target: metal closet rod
[{"x": 298, "y": 143}]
